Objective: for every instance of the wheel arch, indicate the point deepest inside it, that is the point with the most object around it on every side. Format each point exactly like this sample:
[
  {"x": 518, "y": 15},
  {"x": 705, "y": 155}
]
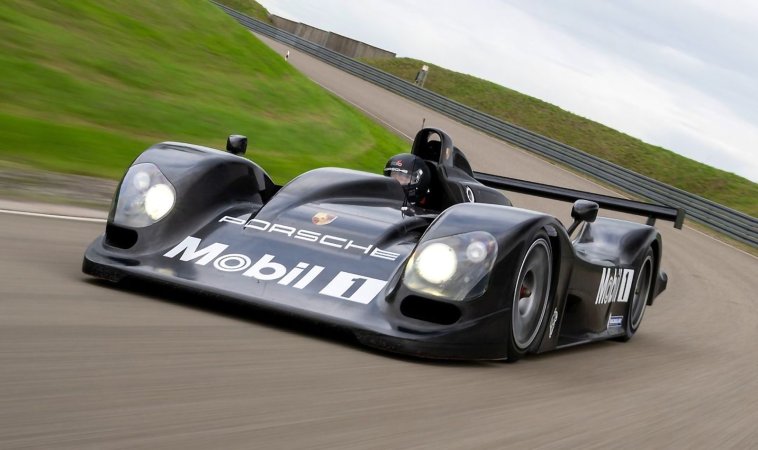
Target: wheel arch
[{"x": 562, "y": 264}]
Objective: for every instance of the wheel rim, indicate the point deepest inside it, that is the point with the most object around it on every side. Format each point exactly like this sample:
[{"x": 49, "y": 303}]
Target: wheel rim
[
  {"x": 641, "y": 293},
  {"x": 531, "y": 295}
]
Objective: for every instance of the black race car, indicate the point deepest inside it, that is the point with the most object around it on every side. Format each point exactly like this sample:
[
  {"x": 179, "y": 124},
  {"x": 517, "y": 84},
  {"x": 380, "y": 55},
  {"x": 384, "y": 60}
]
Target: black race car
[{"x": 462, "y": 274}]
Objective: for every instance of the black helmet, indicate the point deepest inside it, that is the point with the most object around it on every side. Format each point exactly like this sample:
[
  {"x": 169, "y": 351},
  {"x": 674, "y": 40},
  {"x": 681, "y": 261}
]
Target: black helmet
[{"x": 411, "y": 172}]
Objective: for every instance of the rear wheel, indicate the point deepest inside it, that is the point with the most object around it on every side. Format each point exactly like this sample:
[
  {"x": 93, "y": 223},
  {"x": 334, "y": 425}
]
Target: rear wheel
[
  {"x": 530, "y": 297},
  {"x": 643, "y": 287}
]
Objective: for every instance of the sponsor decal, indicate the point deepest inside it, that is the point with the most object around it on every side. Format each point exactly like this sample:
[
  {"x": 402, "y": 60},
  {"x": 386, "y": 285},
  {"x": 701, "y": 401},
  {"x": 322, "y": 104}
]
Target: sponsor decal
[
  {"x": 352, "y": 287},
  {"x": 345, "y": 285},
  {"x": 615, "y": 285},
  {"x": 398, "y": 163},
  {"x": 553, "y": 320},
  {"x": 327, "y": 240},
  {"x": 615, "y": 321},
  {"x": 323, "y": 218}
]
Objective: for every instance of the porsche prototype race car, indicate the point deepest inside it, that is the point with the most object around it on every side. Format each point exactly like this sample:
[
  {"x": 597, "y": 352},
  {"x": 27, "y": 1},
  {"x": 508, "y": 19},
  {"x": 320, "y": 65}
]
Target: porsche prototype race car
[{"x": 466, "y": 276}]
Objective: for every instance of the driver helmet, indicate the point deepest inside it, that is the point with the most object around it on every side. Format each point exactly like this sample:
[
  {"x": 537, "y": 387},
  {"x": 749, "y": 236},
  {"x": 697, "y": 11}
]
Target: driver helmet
[{"x": 411, "y": 172}]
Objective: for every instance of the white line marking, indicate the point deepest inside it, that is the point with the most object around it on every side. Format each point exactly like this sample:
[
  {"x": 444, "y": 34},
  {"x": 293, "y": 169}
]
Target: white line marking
[
  {"x": 720, "y": 241},
  {"x": 52, "y": 216}
]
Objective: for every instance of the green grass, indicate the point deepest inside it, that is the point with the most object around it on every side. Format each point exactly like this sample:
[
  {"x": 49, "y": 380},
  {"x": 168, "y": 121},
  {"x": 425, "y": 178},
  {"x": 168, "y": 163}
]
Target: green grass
[
  {"x": 85, "y": 86},
  {"x": 592, "y": 137}
]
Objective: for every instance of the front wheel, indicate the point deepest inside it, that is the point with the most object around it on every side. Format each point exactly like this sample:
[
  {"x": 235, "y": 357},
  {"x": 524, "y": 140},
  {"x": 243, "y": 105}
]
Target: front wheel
[{"x": 530, "y": 297}]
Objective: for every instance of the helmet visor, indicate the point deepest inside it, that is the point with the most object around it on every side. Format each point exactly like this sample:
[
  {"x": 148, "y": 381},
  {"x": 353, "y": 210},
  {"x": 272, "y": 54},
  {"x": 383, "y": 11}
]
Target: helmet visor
[{"x": 403, "y": 178}]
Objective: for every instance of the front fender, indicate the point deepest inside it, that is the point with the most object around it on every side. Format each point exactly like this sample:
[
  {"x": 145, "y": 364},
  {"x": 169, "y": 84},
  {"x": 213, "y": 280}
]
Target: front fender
[
  {"x": 207, "y": 182},
  {"x": 510, "y": 226},
  {"x": 514, "y": 230}
]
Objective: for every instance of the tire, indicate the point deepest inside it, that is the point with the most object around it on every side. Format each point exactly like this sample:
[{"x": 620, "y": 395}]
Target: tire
[
  {"x": 531, "y": 298},
  {"x": 643, "y": 288}
]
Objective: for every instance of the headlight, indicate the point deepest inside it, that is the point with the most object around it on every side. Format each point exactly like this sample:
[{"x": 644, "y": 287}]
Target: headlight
[
  {"x": 145, "y": 197},
  {"x": 159, "y": 200},
  {"x": 454, "y": 267},
  {"x": 436, "y": 263}
]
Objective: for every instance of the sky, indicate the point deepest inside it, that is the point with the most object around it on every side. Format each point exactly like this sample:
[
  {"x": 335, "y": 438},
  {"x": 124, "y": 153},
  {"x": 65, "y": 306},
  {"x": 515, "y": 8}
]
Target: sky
[{"x": 681, "y": 74}]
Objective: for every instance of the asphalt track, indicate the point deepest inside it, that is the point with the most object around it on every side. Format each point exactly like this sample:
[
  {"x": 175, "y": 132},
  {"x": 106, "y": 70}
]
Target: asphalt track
[{"x": 85, "y": 365}]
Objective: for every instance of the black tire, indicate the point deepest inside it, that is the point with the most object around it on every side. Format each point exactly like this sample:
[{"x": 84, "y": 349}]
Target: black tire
[
  {"x": 530, "y": 298},
  {"x": 643, "y": 289}
]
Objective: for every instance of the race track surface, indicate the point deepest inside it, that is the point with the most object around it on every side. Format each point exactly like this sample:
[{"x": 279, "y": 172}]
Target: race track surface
[{"x": 85, "y": 365}]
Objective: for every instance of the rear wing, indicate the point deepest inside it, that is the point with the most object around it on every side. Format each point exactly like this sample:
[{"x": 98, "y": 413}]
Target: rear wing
[{"x": 650, "y": 210}]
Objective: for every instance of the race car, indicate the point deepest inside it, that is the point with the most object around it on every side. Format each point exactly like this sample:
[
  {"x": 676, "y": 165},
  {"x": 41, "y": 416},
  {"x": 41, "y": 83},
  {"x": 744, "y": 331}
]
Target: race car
[{"x": 454, "y": 271}]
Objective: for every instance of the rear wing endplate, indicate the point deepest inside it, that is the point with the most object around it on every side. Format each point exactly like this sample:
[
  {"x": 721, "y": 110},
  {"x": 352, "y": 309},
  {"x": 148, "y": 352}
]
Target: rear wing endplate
[{"x": 650, "y": 210}]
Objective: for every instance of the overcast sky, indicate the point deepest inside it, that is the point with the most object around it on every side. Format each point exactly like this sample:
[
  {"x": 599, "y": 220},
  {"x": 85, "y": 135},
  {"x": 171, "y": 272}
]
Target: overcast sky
[{"x": 682, "y": 74}]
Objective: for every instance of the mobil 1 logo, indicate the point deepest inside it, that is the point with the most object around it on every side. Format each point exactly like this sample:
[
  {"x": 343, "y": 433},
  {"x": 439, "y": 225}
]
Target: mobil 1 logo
[
  {"x": 345, "y": 285},
  {"x": 615, "y": 285}
]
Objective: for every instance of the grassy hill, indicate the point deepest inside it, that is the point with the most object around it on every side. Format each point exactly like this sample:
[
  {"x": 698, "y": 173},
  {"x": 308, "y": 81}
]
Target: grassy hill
[
  {"x": 86, "y": 85},
  {"x": 592, "y": 137}
]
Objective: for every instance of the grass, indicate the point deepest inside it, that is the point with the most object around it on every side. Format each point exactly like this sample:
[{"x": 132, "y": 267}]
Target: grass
[
  {"x": 592, "y": 137},
  {"x": 86, "y": 85}
]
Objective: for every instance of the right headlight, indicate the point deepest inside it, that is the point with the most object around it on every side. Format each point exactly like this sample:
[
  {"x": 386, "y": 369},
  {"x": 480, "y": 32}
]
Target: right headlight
[
  {"x": 454, "y": 267},
  {"x": 436, "y": 263},
  {"x": 145, "y": 197}
]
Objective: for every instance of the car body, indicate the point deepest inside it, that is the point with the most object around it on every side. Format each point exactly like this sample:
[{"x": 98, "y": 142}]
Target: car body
[{"x": 468, "y": 277}]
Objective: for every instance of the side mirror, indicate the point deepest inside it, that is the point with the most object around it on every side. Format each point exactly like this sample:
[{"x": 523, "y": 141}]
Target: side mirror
[
  {"x": 236, "y": 144},
  {"x": 582, "y": 211}
]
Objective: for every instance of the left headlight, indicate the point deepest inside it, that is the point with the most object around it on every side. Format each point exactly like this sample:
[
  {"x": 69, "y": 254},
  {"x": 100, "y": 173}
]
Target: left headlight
[
  {"x": 145, "y": 197},
  {"x": 454, "y": 267}
]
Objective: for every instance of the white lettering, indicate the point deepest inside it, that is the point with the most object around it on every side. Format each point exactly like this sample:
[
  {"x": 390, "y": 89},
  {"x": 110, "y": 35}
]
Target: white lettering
[
  {"x": 351, "y": 244},
  {"x": 233, "y": 220},
  {"x": 289, "y": 231},
  {"x": 615, "y": 285},
  {"x": 356, "y": 288},
  {"x": 345, "y": 286},
  {"x": 257, "y": 224},
  {"x": 379, "y": 253},
  {"x": 310, "y": 236},
  {"x": 294, "y": 273},
  {"x": 308, "y": 277},
  {"x": 189, "y": 251},
  {"x": 331, "y": 244},
  {"x": 603, "y": 285},
  {"x": 276, "y": 270},
  {"x": 233, "y": 262},
  {"x": 627, "y": 283}
]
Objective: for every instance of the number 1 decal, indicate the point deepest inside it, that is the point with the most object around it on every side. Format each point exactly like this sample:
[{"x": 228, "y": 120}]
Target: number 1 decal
[{"x": 356, "y": 288}]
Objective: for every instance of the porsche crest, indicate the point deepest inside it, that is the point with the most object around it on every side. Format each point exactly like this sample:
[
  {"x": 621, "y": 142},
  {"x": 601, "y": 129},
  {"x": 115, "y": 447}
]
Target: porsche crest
[{"x": 323, "y": 218}]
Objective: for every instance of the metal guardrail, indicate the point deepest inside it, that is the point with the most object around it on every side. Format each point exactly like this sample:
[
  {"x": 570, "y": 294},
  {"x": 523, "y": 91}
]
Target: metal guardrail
[{"x": 735, "y": 224}]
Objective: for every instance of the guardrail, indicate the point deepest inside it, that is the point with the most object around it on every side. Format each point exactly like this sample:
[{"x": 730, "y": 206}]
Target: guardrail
[{"x": 735, "y": 224}]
